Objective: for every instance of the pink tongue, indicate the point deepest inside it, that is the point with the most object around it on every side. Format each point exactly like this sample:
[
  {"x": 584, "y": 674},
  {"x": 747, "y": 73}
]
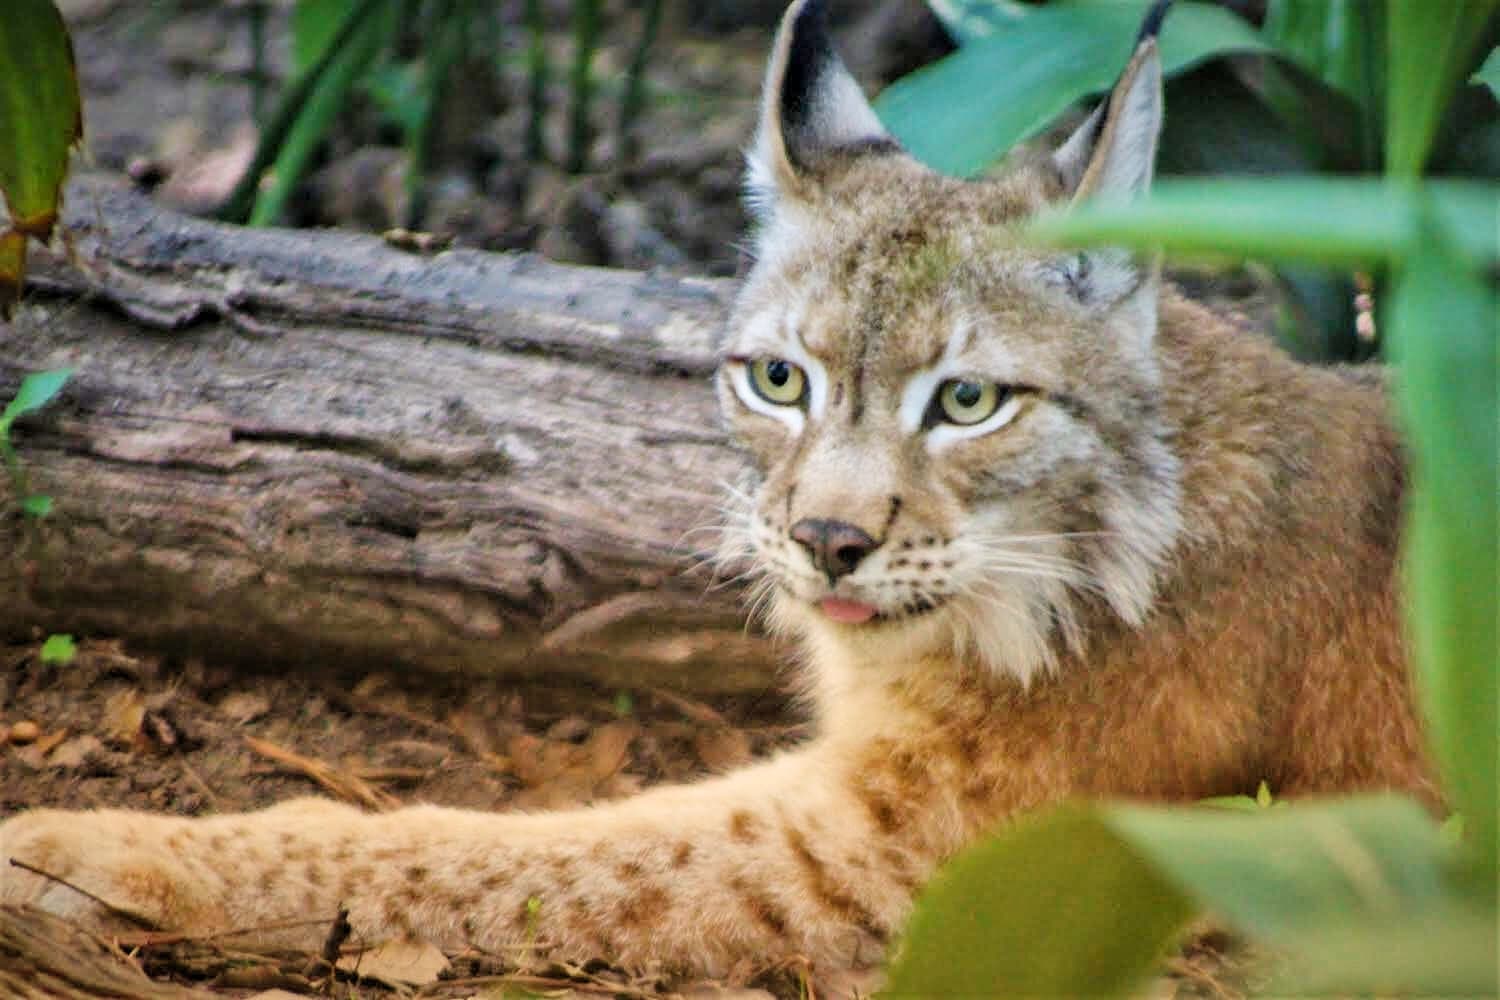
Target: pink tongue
[{"x": 849, "y": 612}]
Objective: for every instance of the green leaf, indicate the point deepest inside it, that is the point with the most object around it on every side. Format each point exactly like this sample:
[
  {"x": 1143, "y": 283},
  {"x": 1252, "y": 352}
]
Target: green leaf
[
  {"x": 1429, "y": 47},
  {"x": 1276, "y": 871},
  {"x": 1347, "y": 889},
  {"x": 40, "y": 114},
  {"x": 1338, "y": 221},
  {"x": 1056, "y": 905},
  {"x": 1342, "y": 44},
  {"x": 41, "y": 119},
  {"x": 1489, "y": 73},
  {"x": 37, "y": 505},
  {"x": 58, "y": 649},
  {"x": 1444, "y": 951},
  {"x": 37, "y": 390},
  {"x": 971, "y": 20},
  {"x": 1018, "y": 80},
  {"x": 1443, "y": 337}
]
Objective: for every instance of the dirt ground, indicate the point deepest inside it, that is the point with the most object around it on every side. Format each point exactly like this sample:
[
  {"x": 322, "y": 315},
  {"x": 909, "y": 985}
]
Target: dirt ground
[{"x": 116, "y": 728}]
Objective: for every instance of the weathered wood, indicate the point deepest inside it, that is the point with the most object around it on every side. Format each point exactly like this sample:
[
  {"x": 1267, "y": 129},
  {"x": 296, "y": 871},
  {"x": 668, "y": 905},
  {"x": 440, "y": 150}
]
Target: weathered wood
[
  {"x": 45, "y": 958},
  {"x": 310, "y": 447}
]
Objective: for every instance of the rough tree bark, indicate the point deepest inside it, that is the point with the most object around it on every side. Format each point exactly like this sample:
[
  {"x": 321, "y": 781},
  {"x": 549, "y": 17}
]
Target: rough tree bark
[{"x": 313, "y": 448}]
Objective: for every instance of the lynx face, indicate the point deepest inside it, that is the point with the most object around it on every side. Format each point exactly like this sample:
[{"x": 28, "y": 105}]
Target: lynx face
[{"x": 956, "y": 440}]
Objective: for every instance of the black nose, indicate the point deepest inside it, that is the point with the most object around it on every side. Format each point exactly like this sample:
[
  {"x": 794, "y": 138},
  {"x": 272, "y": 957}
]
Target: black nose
[{"x": 836, "y": 547}]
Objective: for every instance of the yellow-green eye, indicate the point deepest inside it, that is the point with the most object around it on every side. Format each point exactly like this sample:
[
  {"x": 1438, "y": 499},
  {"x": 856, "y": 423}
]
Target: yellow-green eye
[
  {"x": 777, "y": 381},
  {"x": 966, "y": 401}
]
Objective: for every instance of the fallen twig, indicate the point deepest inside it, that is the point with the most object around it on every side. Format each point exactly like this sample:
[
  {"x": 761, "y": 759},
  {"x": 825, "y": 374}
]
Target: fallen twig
[
  {"x": 158, "y": 939},
  {"x": 336, "y": 782}
]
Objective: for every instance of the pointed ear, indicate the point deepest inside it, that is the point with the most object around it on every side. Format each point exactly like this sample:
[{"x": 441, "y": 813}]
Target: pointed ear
[
  {"x": 811, "y": 108},
  {"x": 1113, "y": 154}
]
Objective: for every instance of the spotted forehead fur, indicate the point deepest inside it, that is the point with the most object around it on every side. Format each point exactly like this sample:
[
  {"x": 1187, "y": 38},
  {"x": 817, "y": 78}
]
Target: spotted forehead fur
[{"x": 877, "y": 275}]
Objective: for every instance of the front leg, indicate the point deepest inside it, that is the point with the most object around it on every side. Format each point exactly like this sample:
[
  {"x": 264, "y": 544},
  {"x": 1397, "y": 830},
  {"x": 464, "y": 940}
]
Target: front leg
[{"x": 786, "y": 858}]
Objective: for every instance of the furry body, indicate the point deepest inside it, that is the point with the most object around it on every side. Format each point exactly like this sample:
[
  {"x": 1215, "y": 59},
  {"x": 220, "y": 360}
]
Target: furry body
[{"x": 1166, "y": 570}]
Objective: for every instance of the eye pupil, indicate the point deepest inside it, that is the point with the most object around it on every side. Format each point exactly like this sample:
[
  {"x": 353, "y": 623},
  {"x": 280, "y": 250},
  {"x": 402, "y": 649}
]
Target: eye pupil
[
  {"x": 778, "y": 373},
  {"x": 967, "y": 394}
]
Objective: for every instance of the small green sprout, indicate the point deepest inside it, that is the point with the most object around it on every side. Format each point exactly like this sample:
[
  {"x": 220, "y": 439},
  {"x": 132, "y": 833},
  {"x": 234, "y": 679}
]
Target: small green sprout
[
  {"x": 59, "y": 649},
  {"x": 37, "y": 390}
]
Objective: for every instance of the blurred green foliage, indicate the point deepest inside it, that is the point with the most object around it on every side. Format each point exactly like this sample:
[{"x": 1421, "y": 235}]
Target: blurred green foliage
[
  {"x": 1359, "y": 895},
  {"x": 403, "y": 55},
  {"x": 1302, "y": 92}
]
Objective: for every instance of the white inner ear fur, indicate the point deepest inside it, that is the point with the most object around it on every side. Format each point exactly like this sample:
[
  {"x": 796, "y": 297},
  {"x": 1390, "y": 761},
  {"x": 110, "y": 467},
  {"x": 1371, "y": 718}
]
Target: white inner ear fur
[
  {"x": 839, "y": 115},
  {"x": 1121, "y": 163}
]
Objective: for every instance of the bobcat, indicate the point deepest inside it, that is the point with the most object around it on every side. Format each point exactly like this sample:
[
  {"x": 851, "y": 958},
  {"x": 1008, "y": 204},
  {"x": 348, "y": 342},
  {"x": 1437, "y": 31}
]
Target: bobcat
[{"x": 1043, "y": 527}]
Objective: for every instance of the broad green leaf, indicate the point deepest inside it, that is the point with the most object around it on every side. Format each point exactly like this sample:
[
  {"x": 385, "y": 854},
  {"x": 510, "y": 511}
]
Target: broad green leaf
[
  {"x": 37, "y": 390},
  {"x": 58, "y": 648},
  {"x": 1056, "y": 905},
  {"x": 1489, "y": 73},
  {"x": 1277, "y": 871},
  {"x": 1429, "y": 43},
  {"x": 1347, "y": 889},
  {"x": 40, "y": 114},
  {"x": 971, "y": 20},
  {"x": 41, "y": 119},
  {"x": 1339, "y": 221},
  {"x": 1443, "y": 337},
  {"x": 1342, "y": 44},
  {"x": 1448, "y": 951},
  {"x": 1018, "y": 80}
]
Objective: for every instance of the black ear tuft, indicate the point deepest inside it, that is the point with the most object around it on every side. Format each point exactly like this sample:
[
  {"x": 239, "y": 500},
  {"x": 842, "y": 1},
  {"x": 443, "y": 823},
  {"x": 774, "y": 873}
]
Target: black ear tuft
[
  {"x": 811, "y": 110},
  {"x": 810, "y": 59}
]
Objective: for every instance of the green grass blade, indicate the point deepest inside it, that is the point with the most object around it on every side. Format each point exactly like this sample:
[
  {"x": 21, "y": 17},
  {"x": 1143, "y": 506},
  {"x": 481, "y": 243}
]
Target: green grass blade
[
  {"x": 1057, "y": 905},
  {"x": 1018, "y": 80},
  {"x": 325, "y": 100},
  {"x": 587, "y": 15},
  {"x": 289, "y": 109},
  {"x": 1444, "y": 329},
  {"x": 315, "y": 26},
  {"x": 1430, "y": 43},
  {"x": 1334, "y": 221}
]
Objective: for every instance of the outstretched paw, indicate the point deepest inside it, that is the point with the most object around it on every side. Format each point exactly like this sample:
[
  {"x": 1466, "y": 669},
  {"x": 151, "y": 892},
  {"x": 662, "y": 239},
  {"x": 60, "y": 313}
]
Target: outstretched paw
[{"x": 110, "y": 870}]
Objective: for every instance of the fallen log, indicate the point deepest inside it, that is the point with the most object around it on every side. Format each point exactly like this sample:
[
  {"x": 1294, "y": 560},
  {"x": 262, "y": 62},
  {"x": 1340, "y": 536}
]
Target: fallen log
[
  {"x": 43, "y": 957},
  {"x": 295, "y": 448}
]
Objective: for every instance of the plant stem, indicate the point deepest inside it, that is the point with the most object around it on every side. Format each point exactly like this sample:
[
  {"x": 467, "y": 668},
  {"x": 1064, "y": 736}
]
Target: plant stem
[
  {"x": 237, "y": 206},
  {"x": 536, "y": 58},
  {"x": 585, "y": 40},
  {"x": 635, "y": 81},
  {"x": 256, "y": 13}
]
